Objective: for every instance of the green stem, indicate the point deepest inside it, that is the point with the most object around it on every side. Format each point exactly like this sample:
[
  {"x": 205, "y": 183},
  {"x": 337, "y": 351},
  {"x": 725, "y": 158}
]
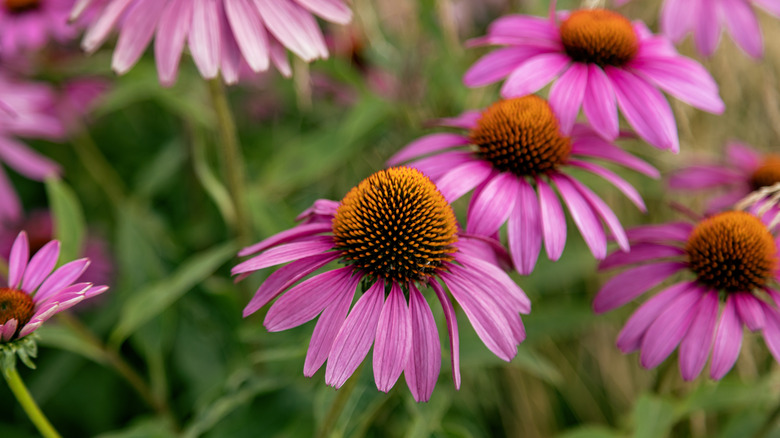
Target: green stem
[
  {"x": 342, "y": 397},
  {"x": 232, "y": 163},
  {"x": 98, "y": 166},
  {"x": 28, "y": 404}
]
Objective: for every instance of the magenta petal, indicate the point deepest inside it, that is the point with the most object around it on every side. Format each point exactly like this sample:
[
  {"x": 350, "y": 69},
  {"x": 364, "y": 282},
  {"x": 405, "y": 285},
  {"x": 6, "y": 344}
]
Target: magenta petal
[
  {"x": 12, "y": 206},
  {"x": 704, "y": 176},
  {"x": 640, "y": 252},
  {"x": 490, "y": 277},
  {"x": 497, "y": 64},
  {"x": 26, "y": 161},
  {"x": 728, "y": 341},
  {"x": 138, "y": 27},
  {"x": 285, "y": 277},
  {"x": 567, "y": 93},
  {"x": 467, "y": 120},
  {"x": 61, "y": 278},
  {"x": 295, "y": 233},
  {"x": 749, "y": 310},
  {"x": 599, "y": 103},
  {"x": 285, "y": 253},
  {"x": 645, "y": 109},
  {"x": 452, "y": 330},
  {"x": 436, "y": 166},
  {"x": 328, "y": 325},
  {"x": 355, "y": 337},
  {"x": 771, "y": 6},
  {"x": 393, "y": 340},
  {"x": 8, "y": 329},
  {"x": 742, "y": 24},
  {"x": 101, "y": 28},
  {"x": 622, "y": 185},
  {"x": 743, "y": 156},
  {"x": 426, "y": 145},
  {"x": 583, "y": 216},
  {"x": 631, "y": 283},
  {"x": 673, "y": 231},
  {"x": 17, "y": 262},
  {"x": 41, "y": 265},
  {"x": 598, "y": 148},
  {"x": 677, "y": 18},
  {"x": 294, "y": 27},
  {"x": 707, "y": 29},
  {"x": 666, "y": 332},
  {"x": 491, "y": 206},
  {"x": 772, "y": 331},
  {"x": 249, "y": 32},
  {"x": 524, "y": 230},
  {"x": 332, "y": 10},
  {"x": 696, "y": 345},
  {"x": 424, "y": 363},
  {"x": 172, "y": 31},
  {"x": 553, "y": 220},
  {"x": 525, "y": 29},
  {"x": 630, "y": 338},
  {"x": 603, "y": 211},
  {"x": 534, "y": 74},
  {"x": 204, "y": 37},
  {"x": 684, "y": 79},
  {"x": 463, "y": 179},
  {"x": 307, "y": 299}
]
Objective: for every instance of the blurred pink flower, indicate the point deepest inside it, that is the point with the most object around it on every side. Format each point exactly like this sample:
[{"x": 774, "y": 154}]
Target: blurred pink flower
[
  {"x": 733, "y": 258},
  {"x": 29, "y": 24},
  {"x": 32, "y": 113},
  {"x": 600, "y": 56},
  {"x": 396, "y": 234},
  {"x": 220, "y": 34},
  {"x": 707, "y": 18},
  {"x": 744, "y": 170},
  {"x": 36, "y": 292},
  {"x": 513, "y": 154}
]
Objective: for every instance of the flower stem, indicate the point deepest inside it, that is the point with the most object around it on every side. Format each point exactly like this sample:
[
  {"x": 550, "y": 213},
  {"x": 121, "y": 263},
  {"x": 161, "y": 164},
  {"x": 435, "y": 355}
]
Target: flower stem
[
  {"x": 98, "y": 166},
  {"x": 28, "y": 404},
  {"x": 232, "y": 163},
  {"x": 339, "y": 403}
]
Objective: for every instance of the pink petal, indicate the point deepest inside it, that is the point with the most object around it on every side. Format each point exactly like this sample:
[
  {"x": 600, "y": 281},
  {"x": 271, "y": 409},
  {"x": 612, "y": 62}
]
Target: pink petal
[
  {"x": 172, "y": 31},
  {"x": 249, "y": 32},
  {"x": 604, "y": 212},
  {"x": 707, "y": 29},
  {"x": 728, "y": 341},
  {"x": 622, "y": 185},
  {"x": 553, "y": 221},
  {"x": 749, "y": 310},
  {"x": 137, "y": 30},
  {"x": 328, "y": 325},
  {"x": 427, "y": 145},
  {"x": 295, "y": 233},
  {"x": 524, "y": 230},
  {"x": 742, "y": 24},
  {"x": 26, "y": 161},
  {"x": 491, "y": 206},
  {"x": 771, "y": 6},
  {"x": 696, "y": 345},
  {"x": 424, "y": 363},
  {"x": 8, "y": 329},
  {"x": 584, "y": 217},
  {"x": 567, "y": 93},
  {"x": 205, "y": 37},
  {"x": 672, "y": 231},
  {"x": 701, "y": 176},
  {"x": 646, "y": 109},
  {"x": 307, "y": 299},
  {"x": 467, "y": 120},
  {"x": 436, "y": 166},
  {"x": 41, "y": 265},
  {"x": 393, "y": 340},
  {"x": 17, "y": 261},
  {"x": 63, "y": 277},
  {"x": 534, "y": 74},
  {"x": 286, "y": 253},
  {"x": 498, "y": 64},
  {"x": 452, "y": 330},
  {"x": 599, "y": 148},
  {"x": 332, "y": 10},
  {"x": 666, "y": 332},
  {"x": 640, "y": 252},
  {"x": 463, "y": 179},
  {"x": 677, "y": 18},
  {"x": 523, "y": 29},
  {"x": 294, "y": 27},
  {"x": 743, "y": 156},
  {"x": 772, "y": 331},
  {"x": 355, "y": 337},
  {"x": 100, "y": 29},
  {"x": 12, "y": 207},
  {"x": 599, "y": 103},
  {"x": 684, "y": 79},
  {"x": 490, "y": 276},
  {"x": 631, "y": 283},
  {"x": 279, "y": 58}
]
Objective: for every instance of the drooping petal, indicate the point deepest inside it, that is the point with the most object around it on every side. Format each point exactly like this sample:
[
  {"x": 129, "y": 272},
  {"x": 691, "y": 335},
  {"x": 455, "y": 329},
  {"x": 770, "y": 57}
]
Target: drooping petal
[
  {"x": 452, "y": 330},
  {"x": 137, "y": 30},
  {"x": 334, "y": 11},
  {"x": 676, "y": 19},
  {"x": 427, "y": 145},
  {"x": 742, "y": 24},
  {"x": 328, "y": 325},
  {"x": 463, "y": 179},
  {"x": 583, "y": 216},
  {"x": 498, "y": 64},
  {"x": 467, "y": 120},
  {"x": 481, "y": 272},
  {"x": 101, "y": 28},
  {"x": 17, "y": 261},
  {"x": 666, "y": 332},
  {"x": 295, "y": 233},
  {"x": 749, "y": 310},
  {"x": 624, "y": 186},
  {"x": 534, "y": 74},
  {"x": 285, "y": 253},
  {"x": 702, "y": 176},
  {"x": 640, "y": 252},
  {"x": 424, "y": 363},
  {"x": 599, "y": 103},
  {"x": 355, "y": 337},
  {"x": 393, "y": 340},
  {"x": 631, "y": 283},
  {"x": 728, "y": 341},
  {"x": 524, "y": 230},
  {"x": 12, "y": 206},
  {"x": 706, "y": 33},
  {"x": 630, "y": 338},
  {"x": 553, "y": 220},
  {"x": 684, "y": 79},
  {"x": 249, "y": 32},
  {"x": 172, "y": 30},
  {"x": 26, "y": 161},
  {"x": 672, "y": 231},
  {"x": 604, "y": 212},
  {"x": 567, "y": 93},
  {"x": 695, "y": 346},
  {"x": 491, "y": 206},
  {"x": 598, "y": 148},
  {"x": 743, "y": 156},
  {"x": 204, "y": 37},
  {"x": 294, "y": 27}
]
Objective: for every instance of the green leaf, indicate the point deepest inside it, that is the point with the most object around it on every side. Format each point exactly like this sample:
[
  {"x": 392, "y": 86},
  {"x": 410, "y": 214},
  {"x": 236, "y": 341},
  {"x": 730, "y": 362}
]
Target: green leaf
[
  {"x": 65, "y": 338},
  {"x": 590, "y": 431},
  {"x": 151, "y": 300},
  {"x": 69, "y": 226},
  {"x": 145, "y": 428},
  {"x": 653, "y": 417}
]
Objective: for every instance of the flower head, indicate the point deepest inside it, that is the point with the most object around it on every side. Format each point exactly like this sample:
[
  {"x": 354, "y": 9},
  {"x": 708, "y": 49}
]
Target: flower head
[
  {"x": 34, "y": 293},
  {"x": 396, "y": 235},
  {"x": 29, "y": 24},
  {"x": 731, "y": 258},
  {"x": 513, "y": 155},
  {"x": 601, "y": 61},
  {"x": 220, "y": 34},
  {"x": 744, "y": 170}
]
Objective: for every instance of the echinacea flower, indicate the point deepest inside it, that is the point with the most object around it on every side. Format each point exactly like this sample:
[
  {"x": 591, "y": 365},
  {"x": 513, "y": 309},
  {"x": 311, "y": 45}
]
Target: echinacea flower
[
  {"x": 514, "y": 154},
  {"x": 396, "y": 235},
  {"x": 29, "y": 24},
  {"x": 31, "y": 112},
  {"x": 728, "y": 262},
  {"x": 743, "y": 171},
  {"x": 707, "y": 18},
  {"x": 220, "y": 34},
  {"x": 34, "y": 293},
  {"x": 601, "y": 61}
]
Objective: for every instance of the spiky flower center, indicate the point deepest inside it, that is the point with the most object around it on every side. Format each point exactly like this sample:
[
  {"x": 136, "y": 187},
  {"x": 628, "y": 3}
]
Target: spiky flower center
[
  {"x": 767, "y": 174},
  {"x": 21, "y": 5},
  {"x": 732, "y": 251},
  {"x": 521, "y": 136},
  {"x": 396, "y": 225},
  {"x": 16, "y": 304},
  {"x": 599, "y": 37}
]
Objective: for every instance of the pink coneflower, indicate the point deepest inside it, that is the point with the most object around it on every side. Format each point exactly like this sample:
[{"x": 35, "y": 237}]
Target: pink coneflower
[
  {"x": 706, "y": 18},
  {"x": 513, "y": 154},
  {"x": 396, "y": 234},
  {"x": 600, "y": 56},
  {"x": 35, "y": 293},
  {"x": 31, "y": 112},
  {"x": 744, "y": 170},
  {"x": 732, "y": 257},
  {"x": 29, "y": 24},
  {"x": 220, "y": 34}
]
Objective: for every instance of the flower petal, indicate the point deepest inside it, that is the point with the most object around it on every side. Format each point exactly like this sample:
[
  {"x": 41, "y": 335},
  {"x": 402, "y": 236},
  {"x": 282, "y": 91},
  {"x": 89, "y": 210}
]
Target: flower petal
[
  {"x": 524, "y": 230},
  {"x": 17, "y": 261},
  {"x": 285, "y": 253},
  {"x": 138, "y": 27},
  {"x": 599, "y": 103},
  {"x": 598, "y": 148},
  {"x": 491, "y": 205},
  {"x": 624, "y": 186},
  {"x": 728, "y": 341},
  {"x": 583, "y": 215},
  {"x": 295, "y": 233},
  {"x": 631, "y": 283},
  {"x": 328, "y": 325},
  {"x": 41, "y": 265},
  {"x": 553, "y": 220},
  {"x": 567, "y": 93},
  {"x": 696, "y": 345},
  {"x": 427, "y": 145},
  {"x": 463, "y": 179},
  {"x": 249, "y": 31},
  {"x": 205, "y": 37},
  {"x": 452, "y": 330},
  {"x": 533, "y": 74},
  {"x": 640, "y": 252},
  {"x": 630, "y": 338},
  {"x": 749, "y": 310},
  {"x": 666, "y": 332},
  {"x": 498, "y": 64},
  {"x": 684, "y": 79},
  {"x": 63, "y": 277},
  {"x": 393, "y": 340},
  {"x": 424, "y": 363},
  {"x": 172, "y": 30}
]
